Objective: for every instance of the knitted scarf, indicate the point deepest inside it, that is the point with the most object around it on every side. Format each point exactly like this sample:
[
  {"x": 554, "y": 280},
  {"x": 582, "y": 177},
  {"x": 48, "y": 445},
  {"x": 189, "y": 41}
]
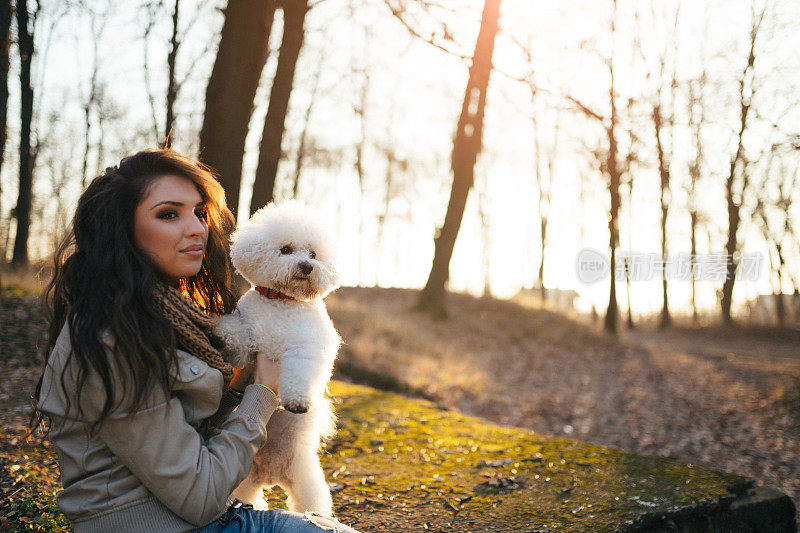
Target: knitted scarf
[{"x": 192, "y": 327}]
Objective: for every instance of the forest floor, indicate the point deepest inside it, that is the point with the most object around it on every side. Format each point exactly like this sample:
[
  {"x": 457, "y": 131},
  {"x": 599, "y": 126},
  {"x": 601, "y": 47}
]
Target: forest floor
[{"x": 727, "y": 398}]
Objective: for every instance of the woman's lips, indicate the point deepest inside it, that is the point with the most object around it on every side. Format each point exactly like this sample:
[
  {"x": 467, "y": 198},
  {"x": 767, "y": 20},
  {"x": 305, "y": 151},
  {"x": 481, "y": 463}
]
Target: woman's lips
[{"x": 194, "y": 251}]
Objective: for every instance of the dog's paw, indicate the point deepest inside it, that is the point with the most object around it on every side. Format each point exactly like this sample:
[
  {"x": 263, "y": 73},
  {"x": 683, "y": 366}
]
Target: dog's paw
[{"x": 296, "y": 406}]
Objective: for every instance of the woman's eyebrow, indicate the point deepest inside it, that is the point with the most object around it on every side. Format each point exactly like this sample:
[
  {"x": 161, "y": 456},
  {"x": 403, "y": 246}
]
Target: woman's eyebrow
[{"x": 172, "y": 202}]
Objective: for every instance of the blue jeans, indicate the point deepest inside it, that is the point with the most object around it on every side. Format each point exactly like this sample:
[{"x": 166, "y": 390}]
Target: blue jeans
[{"x": 245, "y": 519}]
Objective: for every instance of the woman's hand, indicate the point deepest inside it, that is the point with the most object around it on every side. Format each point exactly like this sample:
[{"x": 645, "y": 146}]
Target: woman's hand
[
  {"x": 267, "y": 372},
  {"x": 243, "y": 377}
]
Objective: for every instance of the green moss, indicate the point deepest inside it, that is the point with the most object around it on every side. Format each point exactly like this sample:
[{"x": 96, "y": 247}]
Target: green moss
[
  {"x": 46, "y": 516},
  {"x": 397, "y": 454},
  {"x": 19, "y": 290}
]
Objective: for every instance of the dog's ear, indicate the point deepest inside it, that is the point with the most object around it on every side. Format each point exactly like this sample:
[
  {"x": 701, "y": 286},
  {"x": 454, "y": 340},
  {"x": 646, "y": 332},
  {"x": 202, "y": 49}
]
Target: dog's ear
[{"x": 246, "y": 252}]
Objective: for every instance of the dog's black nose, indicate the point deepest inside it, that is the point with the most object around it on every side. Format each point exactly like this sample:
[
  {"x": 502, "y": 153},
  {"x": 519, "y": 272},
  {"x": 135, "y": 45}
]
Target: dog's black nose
[{"x": 305, "y": 267}]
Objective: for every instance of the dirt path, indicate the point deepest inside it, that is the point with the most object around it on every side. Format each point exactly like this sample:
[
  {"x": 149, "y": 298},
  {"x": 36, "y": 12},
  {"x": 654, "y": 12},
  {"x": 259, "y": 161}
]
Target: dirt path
[{"x": 741, "y": 400}]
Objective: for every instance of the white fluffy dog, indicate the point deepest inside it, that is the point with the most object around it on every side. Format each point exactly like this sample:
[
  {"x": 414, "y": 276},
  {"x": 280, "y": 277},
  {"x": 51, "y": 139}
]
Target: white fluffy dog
[{"x": 290, "y": 259}]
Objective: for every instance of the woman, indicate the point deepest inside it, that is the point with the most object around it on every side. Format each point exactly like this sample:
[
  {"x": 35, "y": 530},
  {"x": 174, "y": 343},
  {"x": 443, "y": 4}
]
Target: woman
[{"x": 138, "y": 399}]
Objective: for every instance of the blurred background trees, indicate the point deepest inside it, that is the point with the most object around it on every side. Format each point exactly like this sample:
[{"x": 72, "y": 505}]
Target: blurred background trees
[{"x": 458, "y": 145}]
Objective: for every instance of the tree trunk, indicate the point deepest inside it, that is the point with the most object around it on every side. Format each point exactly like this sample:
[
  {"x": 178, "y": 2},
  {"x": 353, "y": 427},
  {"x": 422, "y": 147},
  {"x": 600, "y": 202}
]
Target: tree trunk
[
  {"x": 172, "y": 87},
  {"x": 87, "y": 141},
  {"x": 301, "y": 149},
  {"x": 486, "y": 240},
  {"x": 243, "y": 50},
  {"x": 614, "y": 175},
  {"x": 360, "y": 111},
  {"x": 545, "y": 183},
  {"x": 151, "y": 99},
  {"x": 696, "y": 112},
  {"x": 466, "y": 146},
  {"x": 543, "y": 199},
  {"x": 543, "y": 240},
  {"x": 392, "y": 166},
  {"x": 730, "y": 248},
  {"x": 738, "y": 166},
  {"x": 22, "y": 211},
  {"x": 91, "y": 100},
  {"x": 630, "y": 322},
  {"x": 5, "y": 44},
  {"x": 629, "y": 183},
  {"x": 780, "y": 307},
  {"x": 796, "y": 304},
  {"x": 359, "y": 164},
  {"x": 692, "y": 263},
  {"x": 584, "y": 183},
  {"x": 663, "y": 171},
  {"x": 383, "y": 217},
  {"x": 294, "y": 15}
]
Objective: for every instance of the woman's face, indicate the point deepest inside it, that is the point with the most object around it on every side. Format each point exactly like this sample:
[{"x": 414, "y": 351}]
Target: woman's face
[{"x": 170, "y": 227}]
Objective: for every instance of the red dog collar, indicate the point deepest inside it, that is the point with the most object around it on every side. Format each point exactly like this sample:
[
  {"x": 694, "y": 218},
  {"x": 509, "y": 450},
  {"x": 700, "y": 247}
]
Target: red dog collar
[{"x": 272, "y": 294}]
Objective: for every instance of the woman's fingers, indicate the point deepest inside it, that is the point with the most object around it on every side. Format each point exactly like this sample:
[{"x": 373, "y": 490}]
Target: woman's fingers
[
  {"x": 242, "y": 377},
  {"x": 267, "y": 372}
]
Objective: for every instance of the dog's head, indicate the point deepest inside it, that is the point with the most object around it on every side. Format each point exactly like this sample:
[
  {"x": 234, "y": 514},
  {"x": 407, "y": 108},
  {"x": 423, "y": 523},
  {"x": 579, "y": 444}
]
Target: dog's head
[{"x": 286, "y": 247}]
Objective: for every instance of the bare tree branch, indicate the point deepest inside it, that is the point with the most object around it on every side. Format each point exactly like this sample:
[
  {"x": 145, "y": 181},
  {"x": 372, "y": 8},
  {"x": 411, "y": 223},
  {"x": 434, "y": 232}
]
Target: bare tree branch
[{"x": 447, "y": 36}]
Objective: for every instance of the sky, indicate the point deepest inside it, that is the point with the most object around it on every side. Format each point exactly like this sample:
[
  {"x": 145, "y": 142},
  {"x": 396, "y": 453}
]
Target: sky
[{"x": 414, "y": 96}]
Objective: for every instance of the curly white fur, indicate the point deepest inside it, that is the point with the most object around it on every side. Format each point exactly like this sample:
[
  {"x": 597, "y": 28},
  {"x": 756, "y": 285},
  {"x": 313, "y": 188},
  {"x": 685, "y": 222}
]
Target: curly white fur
[{"x": 284, "y": 247}]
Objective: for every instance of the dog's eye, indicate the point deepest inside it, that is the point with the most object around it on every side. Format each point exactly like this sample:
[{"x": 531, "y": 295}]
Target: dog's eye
[
  {"x": 313, "y": 254},
  {"x": 286, "y": 250}
]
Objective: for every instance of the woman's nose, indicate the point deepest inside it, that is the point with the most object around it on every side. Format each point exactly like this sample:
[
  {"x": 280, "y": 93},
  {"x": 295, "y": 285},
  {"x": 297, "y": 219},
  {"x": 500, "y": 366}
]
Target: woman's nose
[{"x": 196, "y": 226}]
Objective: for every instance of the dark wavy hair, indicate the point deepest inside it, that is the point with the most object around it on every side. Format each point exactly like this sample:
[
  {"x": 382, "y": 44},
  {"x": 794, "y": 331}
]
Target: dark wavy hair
[{"x": 103, "y": 281}]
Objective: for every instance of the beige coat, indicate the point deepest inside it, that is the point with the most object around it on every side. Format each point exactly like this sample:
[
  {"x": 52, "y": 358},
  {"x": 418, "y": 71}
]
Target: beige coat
[{"x": 150, "y": 470}]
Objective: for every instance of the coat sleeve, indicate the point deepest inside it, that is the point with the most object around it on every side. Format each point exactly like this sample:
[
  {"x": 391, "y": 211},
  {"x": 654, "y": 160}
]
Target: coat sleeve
[{"x": 192, "y": 478}]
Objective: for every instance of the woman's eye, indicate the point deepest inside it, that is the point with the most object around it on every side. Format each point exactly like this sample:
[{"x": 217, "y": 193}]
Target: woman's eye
[
  {"x": 313, "y": 254},
  {"x": 201, "y": 214},
  {"x": 166, "y": 215},
  {"x": 286, "y": 250}
]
